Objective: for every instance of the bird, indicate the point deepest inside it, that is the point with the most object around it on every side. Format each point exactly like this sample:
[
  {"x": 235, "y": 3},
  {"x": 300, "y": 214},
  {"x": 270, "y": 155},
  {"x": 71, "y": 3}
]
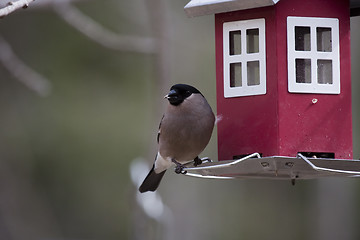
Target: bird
[{"x": 184, "y": 131}]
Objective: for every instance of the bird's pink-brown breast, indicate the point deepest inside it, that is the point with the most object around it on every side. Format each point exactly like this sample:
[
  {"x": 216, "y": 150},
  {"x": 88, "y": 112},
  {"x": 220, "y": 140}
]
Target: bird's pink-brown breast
[{"x": 186, "y": 129}]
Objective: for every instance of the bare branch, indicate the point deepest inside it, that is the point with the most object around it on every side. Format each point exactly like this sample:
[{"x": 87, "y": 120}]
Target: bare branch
[
  {"x": 99, "y": 34},
  {"x": 50, "y": 3},
  {"x": 21, "y": 71},
  {"x": 12, "y": 6}
]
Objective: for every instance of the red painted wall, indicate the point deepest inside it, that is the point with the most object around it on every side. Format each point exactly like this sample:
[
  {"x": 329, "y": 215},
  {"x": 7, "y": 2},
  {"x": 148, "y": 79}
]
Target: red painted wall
[
  {"x": 325, "y": 126},
  {"x": 249, "y": 124},
  {"x": 283, "y": 123}
]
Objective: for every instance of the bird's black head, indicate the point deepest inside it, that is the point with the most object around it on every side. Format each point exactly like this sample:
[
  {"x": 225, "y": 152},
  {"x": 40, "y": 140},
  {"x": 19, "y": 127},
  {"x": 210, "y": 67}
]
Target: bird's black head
[{"x": 179, "y": 92}]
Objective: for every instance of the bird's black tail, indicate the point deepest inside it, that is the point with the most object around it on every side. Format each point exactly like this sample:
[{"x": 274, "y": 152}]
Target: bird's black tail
[{"x": 151, "y": 181}]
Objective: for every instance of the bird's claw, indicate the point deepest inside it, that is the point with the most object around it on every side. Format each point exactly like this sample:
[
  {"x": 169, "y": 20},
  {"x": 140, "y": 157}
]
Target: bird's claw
[
  {"x": 179, "y": 167},
  {"x": 198, "y": 161}
]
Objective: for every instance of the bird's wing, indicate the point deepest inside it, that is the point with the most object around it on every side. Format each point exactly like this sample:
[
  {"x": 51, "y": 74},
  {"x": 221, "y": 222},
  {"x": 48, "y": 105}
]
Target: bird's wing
[{"x": 158, "y": 135}]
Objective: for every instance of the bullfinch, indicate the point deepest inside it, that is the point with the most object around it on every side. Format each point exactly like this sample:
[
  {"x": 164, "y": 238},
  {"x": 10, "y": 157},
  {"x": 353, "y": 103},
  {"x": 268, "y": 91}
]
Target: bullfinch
[{"x": 184, "y": 132}]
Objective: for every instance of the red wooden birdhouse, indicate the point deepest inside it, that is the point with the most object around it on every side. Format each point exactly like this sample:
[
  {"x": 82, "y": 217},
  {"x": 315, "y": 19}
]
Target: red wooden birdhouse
[{"x": 282, "y": 76}]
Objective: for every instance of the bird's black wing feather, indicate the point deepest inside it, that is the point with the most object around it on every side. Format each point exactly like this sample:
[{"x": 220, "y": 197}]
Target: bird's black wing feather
[
  {"x": 151, "y": 181},
  {"x": 158, "y": 135}
]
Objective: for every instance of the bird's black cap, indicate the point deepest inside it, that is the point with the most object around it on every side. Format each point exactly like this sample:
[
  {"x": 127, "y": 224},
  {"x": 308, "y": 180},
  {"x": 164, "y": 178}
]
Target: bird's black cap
[
  {"x": 184, "y": 87},
  {"x": 179, "y": 92}
]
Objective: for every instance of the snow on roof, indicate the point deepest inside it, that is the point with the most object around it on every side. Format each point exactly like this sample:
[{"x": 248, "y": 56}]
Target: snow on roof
[{"x": 205, "y": 7}]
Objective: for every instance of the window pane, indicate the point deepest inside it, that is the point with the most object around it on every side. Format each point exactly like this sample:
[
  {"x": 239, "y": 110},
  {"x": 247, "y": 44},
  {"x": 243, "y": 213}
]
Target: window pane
[
  {"x": 252, "y": 40},
  {"x": 324, "y": 71},
  {"x": 253, "y": 73},
  {"x": 235, "y": 75},
  {"x": 324, "y": 39},
  {"x": 303, "y": 70},
  {"x": 302, "y": 39},
  {"x": 235, "y": 42}
]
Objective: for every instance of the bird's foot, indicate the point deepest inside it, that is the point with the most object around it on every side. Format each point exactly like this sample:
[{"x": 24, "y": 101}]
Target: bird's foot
[
  {"x": 198, "y": 161},
  {"x": 179, "y": 167}
]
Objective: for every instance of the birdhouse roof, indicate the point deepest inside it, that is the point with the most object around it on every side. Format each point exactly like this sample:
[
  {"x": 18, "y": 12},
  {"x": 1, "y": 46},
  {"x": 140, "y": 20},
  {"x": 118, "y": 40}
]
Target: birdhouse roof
[{"x": 205, "y": 7}]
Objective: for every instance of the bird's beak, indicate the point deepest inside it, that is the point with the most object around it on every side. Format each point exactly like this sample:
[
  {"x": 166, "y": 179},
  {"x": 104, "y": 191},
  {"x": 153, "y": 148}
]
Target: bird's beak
[{"x": 172, "y": 93}]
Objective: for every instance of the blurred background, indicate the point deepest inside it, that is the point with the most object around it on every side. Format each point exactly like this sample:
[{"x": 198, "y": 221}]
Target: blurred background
[{"x": 81, "y": 95}]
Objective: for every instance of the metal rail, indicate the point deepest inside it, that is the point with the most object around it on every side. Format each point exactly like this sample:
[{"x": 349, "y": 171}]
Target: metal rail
[{"x": 356, "y": 173}]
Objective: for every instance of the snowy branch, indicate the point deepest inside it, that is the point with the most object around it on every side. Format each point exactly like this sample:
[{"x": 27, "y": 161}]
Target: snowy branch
[
  {"x": 101, "y": 35},
  {"x": 21, "y": 71},
  {"x": 12, "y": 6}
]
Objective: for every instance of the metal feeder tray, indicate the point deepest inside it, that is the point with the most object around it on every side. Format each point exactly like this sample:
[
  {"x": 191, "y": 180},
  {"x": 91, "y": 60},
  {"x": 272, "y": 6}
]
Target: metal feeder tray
[{"x": 254, "y": 166}]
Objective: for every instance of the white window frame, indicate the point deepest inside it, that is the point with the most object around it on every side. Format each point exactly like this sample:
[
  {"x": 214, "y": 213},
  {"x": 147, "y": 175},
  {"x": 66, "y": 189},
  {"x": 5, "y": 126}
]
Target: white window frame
[
  {"x": 313, "y": 55},
  {"x": 244, "y": 57}
]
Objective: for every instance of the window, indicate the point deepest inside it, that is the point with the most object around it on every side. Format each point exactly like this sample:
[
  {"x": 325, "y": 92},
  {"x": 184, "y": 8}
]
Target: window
[
  {"x": 313, "y": 55},
  {"x": 244, "y": 58}
]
